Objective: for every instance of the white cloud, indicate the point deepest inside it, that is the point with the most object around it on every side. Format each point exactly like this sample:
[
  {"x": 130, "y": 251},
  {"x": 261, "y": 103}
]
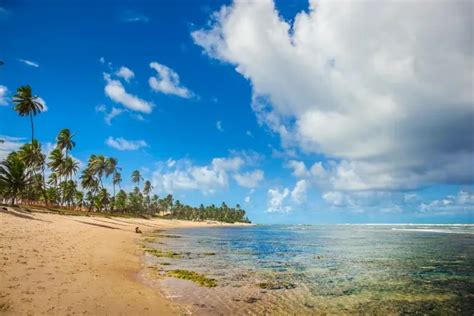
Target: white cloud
[
  {"x": 8, "y": 145},
  {"x": 116, "y": 92},
  {"x": 182, "y": 175},
  {"x": 247, "y": 199},
  {"x": 219, "y": 126},
  {"x": 125, "y": 73},
  {"x": 124, "y": 144},
  {"x": 249, "y": 179},
  {"x": 167, "y": 81},
  {"x": 298, "y": 194},
  {"x": 299, "y": 168},
  {"x": 463, "y": 202},
  {"x": 276, "y": 201},
  {"x": 3, "y": 95},
  {"x": 102, "y": 60},
  {"x": 29, "y": 63},
  {"x": 392, "y": 115},
  {"x": 249, "y": 133}
]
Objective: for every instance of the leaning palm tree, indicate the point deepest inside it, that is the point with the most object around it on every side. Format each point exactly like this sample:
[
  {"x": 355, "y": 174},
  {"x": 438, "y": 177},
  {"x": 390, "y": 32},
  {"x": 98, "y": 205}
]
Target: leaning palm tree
[
  {"x": 26, "y": 104},
  {"x": 136, "y": 177},
  {"x": 64, "y": 140},
  {"x": 13, "y": 177}
]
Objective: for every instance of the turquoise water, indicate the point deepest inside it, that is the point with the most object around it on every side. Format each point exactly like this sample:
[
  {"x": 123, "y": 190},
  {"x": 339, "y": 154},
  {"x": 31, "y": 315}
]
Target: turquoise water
[{"x": 299, "y": 270}]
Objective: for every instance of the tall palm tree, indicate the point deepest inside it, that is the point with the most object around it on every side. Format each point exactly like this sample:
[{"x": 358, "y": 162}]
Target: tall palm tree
[
  {"x": 116, "y": 180},
  {"x": 98, "y": 165},
  {"x": 34, "y": 161},
  {"x": 56, "y": 160},
  {"x": 147, "y": 187},
  {"x": 26, "y": 104},
  {"x": 13, "y": 177},
  {"x": 136, "y": 177},
  {"x": 111, "y": 166},
  {"x": 69, "y": 167},
  {"x": 90, "y": 183},
  {"x": 64, "y": 140}
]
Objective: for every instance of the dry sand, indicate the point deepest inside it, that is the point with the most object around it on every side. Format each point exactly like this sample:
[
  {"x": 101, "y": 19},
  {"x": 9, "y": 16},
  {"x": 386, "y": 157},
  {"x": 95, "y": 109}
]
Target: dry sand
[{"x": 65, "y": 265}]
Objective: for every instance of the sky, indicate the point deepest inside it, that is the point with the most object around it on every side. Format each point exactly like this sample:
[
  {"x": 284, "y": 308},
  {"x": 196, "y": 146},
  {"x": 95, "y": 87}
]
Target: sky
[{"x": 301, "y": 112}]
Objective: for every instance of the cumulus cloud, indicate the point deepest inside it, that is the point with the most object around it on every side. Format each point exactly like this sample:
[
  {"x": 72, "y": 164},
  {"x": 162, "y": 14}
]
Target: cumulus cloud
[
  {"x": 125, "y": 73},
  {"x": 219, "y": 126},
  {"x": 183, "y": 175},
  {"x": 394, "y": 111},
  {"x": 117, "y": 93},
  {"x": 249, "y": 179},
  {"x": 298, "y": 194},
  {"x": 123, "y": 144},
  {"x": 463, "y": 202},
  {"x": 3, "y": 95},
  {"x": 299, "y": 168},
  {"x": 276, "y": 201},
  {"x": 167, "y": 81},
  {"x": 29, "y": 63}
]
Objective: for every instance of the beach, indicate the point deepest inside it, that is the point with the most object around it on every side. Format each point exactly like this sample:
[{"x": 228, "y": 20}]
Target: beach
[{"x": 64, "y": 265}]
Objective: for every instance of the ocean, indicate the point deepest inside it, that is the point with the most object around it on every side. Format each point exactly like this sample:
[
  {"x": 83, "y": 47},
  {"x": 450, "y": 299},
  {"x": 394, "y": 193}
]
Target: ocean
[{"x": 323, "y": 269}]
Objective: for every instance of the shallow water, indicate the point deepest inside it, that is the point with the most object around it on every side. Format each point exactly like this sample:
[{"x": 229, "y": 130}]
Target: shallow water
[{"x": 344, "y": 269}]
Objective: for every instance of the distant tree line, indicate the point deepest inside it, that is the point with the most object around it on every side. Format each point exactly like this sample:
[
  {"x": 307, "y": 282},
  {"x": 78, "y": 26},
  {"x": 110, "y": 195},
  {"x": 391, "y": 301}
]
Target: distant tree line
[{"x": 28, "y": 176}]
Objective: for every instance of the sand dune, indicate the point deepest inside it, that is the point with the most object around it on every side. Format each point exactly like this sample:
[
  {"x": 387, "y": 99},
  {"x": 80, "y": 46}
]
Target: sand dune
[{"x": 54, "y": 264}]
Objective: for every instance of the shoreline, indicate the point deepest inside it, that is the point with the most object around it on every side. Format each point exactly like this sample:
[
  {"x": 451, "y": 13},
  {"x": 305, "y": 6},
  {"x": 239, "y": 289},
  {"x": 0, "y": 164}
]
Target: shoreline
[{"x": 61, "y": 264}]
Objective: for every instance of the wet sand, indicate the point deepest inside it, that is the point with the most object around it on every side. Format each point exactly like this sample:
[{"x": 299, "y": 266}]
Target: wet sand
[{"x": 64, "y": 265}]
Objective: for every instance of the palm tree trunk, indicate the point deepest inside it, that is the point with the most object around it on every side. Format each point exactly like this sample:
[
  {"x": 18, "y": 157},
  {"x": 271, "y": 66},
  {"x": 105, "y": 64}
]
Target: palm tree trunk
[{"x": 32, "y": 129}]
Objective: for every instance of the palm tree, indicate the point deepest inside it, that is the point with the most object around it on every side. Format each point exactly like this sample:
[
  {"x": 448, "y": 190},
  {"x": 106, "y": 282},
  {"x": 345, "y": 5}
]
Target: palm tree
[
  {"x": 13, "y": 177},
  {"x": 64, "y": 140},
  {"x": 69, "y": 167},
  {"x": 89, "y": 182},
  {"x": 116, "y": 180},
  {"x": 136, "y": 177},
  {"x": 56, "y": 160},
  {"x": 33, "y": 159},
  {"x": 26, "y": 104},
  {"x": 147, "y": 187},
  {"x": 98, "y": 165}
]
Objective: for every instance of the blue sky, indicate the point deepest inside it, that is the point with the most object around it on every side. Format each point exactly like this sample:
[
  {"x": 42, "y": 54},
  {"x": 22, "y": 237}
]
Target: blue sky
[{"x": 286, "y": 109}]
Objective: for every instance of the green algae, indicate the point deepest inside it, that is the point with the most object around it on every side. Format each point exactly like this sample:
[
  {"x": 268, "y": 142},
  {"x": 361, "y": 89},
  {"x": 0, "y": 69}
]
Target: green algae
[
  {"x": 163, "y": 254},
  {"x": 193, "y": 276}
]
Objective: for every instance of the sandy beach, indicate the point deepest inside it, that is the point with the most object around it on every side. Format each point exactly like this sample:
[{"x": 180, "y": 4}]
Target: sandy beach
[{"x": 65, "y": 265}]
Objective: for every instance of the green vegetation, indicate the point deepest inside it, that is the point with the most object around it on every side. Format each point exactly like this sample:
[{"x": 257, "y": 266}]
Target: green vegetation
[
  {"x": 193, "y": 276},
  {"x": 23, "y": 180},
  {"x": 163, "y": 254}
]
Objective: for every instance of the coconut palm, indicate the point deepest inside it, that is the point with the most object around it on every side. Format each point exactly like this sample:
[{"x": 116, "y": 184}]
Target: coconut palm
[
  {"x": 64, "y": 140},
  {"x": 147, "y": 187},
  {"x": 98, "y": 165},
  {"x": 69, "y": 167},
  {"x": 56, "y": 160},
  {"x": 111, "y": 166},
  {"x": 26, "y": 104},
  {"x": 13, "y": 177},
  {"x": 116, "y": 180},
  {"x": 136, "y": 177}
]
